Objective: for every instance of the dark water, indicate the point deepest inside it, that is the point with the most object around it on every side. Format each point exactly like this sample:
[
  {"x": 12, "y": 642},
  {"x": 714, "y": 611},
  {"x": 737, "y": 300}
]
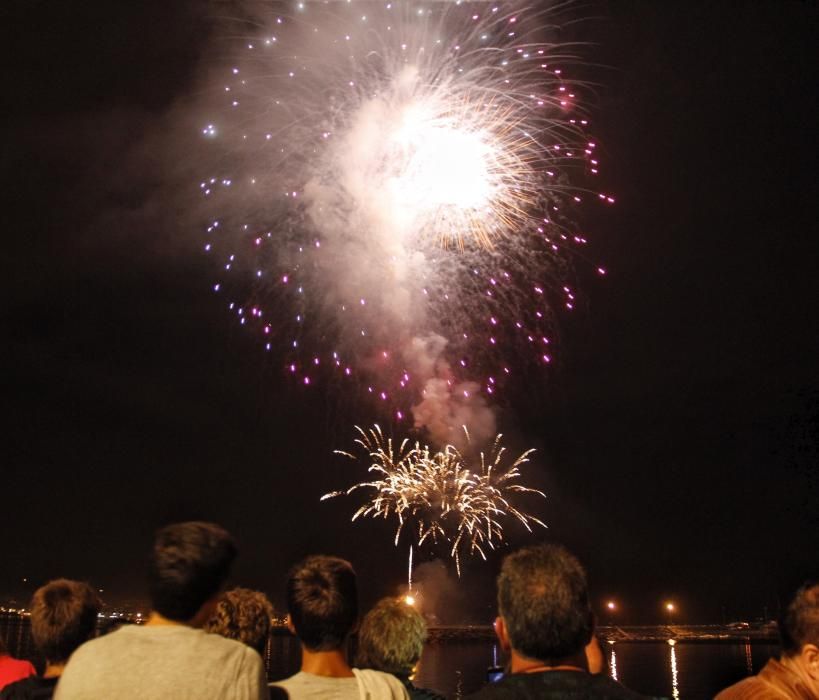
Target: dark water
[
  {"x": 455, "y": 668},
  {"x": 686, "y": 670}
]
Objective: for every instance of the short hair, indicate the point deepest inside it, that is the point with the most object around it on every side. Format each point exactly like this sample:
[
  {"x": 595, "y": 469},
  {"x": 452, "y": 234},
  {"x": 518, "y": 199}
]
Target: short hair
[
  {"x": 189, "y": 564},
  {"x": 243, "y": 615},
  {"x": 322, "y": 600},
  {"x": 544, "y": 601},
  {"x": 63, "y": 616},
  {"x": 391, "y": 637},
  {"x": 800, "y": 623}
]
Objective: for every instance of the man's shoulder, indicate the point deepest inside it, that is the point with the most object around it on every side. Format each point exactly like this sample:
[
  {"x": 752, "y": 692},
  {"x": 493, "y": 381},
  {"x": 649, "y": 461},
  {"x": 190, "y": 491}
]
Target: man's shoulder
[
  {"x": 423, "y": 694},
  {"x": 132, "y": 655},
  {"x": 307, "y": 685},
  {"x": 507, "y": 687},
  {"x": 746, "y": 689},
  {"x": 302, "y": 678},
  {"x": 775, "y": 680},
  {"x": 365, "y": 683},
  {"x": 555, "y": 684},
  {"x": 178, "y": 636},
  {"x": 101, "y": 645},
  {"x": 378, "y": 684},
  {"x": 604, "y": 686},
  {"x": 223, "y": 644}
]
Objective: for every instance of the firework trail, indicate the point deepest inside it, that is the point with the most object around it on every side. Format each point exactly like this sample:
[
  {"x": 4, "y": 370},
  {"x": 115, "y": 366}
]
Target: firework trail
[
  {"x": 397, "y": 185},
  {"x": 438, "y": 496}
]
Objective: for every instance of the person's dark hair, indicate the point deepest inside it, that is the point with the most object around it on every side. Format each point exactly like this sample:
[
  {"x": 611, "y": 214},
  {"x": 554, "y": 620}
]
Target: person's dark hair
[
  {"x": 189, "y": 564},
  {"x": 63, "y": 616},
  {"x": 800, "y": 623},
  {"x": 543, "y": 599},
  {"x": 243, "y": 615},
  {"x": 391, "y": 637},
  {"x": 322, "y": 600}
]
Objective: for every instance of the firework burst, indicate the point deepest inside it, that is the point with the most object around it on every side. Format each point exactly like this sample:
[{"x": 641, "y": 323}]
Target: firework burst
[
  {"x": 437, "y": 496},
  {"x": 399, "y": 181}
]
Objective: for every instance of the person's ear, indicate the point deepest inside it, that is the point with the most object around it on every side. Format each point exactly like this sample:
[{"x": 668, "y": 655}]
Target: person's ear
[
  {"x": 502, "y": 634},
  {"x": 810, "y": 660},
  {"x": 592, "y": 627}
]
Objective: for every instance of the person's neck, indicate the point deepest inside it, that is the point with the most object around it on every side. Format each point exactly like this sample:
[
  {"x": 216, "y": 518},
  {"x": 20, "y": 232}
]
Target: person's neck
[
  {"x": 198, "y": 621},
  {"x": 331, "y": 664},
  {"x": 53, "y": 670},
  {"x": 523, "y": 664},
  {"x": 156, "y": 619}
]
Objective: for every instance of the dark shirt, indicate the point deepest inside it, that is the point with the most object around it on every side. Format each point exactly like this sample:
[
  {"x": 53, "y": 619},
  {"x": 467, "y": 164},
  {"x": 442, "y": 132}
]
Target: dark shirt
[
  {"x": 31, "y": 688},
  {"x": 565, "y": 685},
  {"x": 419, "y": 693}
]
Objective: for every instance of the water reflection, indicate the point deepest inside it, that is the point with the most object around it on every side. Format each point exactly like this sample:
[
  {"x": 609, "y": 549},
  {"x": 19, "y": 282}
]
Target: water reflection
[
  {"x": 675, "y": 688},
  {"x": 749, "y": 660},
  {"x": 613, "y": 662}
]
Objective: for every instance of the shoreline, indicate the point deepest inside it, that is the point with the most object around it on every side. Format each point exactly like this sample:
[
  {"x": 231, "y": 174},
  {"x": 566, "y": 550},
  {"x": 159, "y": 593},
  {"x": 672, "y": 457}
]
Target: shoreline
[{"x": 612, "y": 634}]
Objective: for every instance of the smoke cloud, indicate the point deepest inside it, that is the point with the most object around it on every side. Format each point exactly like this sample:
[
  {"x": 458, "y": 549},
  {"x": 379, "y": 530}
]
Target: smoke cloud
[
  {"x": 447, "y": 406},
  {"x": 440, "y": 592}
]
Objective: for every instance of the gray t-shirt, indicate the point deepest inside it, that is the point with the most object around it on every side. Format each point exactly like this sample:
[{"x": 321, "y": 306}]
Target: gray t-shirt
[
  {"x": 366, "y": 685},
  {"x": 163, "y": 663}
]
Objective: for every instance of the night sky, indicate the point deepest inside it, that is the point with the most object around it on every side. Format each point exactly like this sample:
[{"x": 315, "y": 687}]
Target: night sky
[{"x": 677, "y": 434}]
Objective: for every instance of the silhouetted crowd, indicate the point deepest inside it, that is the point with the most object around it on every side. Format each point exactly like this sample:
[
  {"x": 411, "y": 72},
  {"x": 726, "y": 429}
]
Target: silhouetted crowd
[{"x": 201, "y": 642}]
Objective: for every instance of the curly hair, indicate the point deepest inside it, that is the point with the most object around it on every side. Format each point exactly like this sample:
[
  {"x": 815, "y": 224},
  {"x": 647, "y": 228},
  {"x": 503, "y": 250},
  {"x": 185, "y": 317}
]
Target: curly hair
[
  {"x": 543, "y": 599},
  {"x": 391, "y": 637},
  {"x": 243, "y": 615}
]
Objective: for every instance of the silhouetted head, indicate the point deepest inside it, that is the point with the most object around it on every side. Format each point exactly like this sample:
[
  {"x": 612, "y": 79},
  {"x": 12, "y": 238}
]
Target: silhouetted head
[
  {"x": 543, "y": 601},
  {"x": 63, "y": 616},
  {"x": 322, "y": 601},
  {"x": 799, "y": 632},
  {"x": 189, "y": 565},
  {"x": 800, "y": 623},
  {"x": 391, "y": 637},
  {"x": 243, "y": 615}
]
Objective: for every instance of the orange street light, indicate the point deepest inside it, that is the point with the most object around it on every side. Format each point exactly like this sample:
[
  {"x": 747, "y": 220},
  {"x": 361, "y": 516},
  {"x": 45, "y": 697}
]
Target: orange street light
[
  {"x": 611, "y": 607},
  {"x": 670, "y": 609}
]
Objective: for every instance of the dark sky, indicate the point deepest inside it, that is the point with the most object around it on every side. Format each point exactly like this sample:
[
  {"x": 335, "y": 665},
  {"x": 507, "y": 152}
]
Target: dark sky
[{"x": 678, "y": 437}]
